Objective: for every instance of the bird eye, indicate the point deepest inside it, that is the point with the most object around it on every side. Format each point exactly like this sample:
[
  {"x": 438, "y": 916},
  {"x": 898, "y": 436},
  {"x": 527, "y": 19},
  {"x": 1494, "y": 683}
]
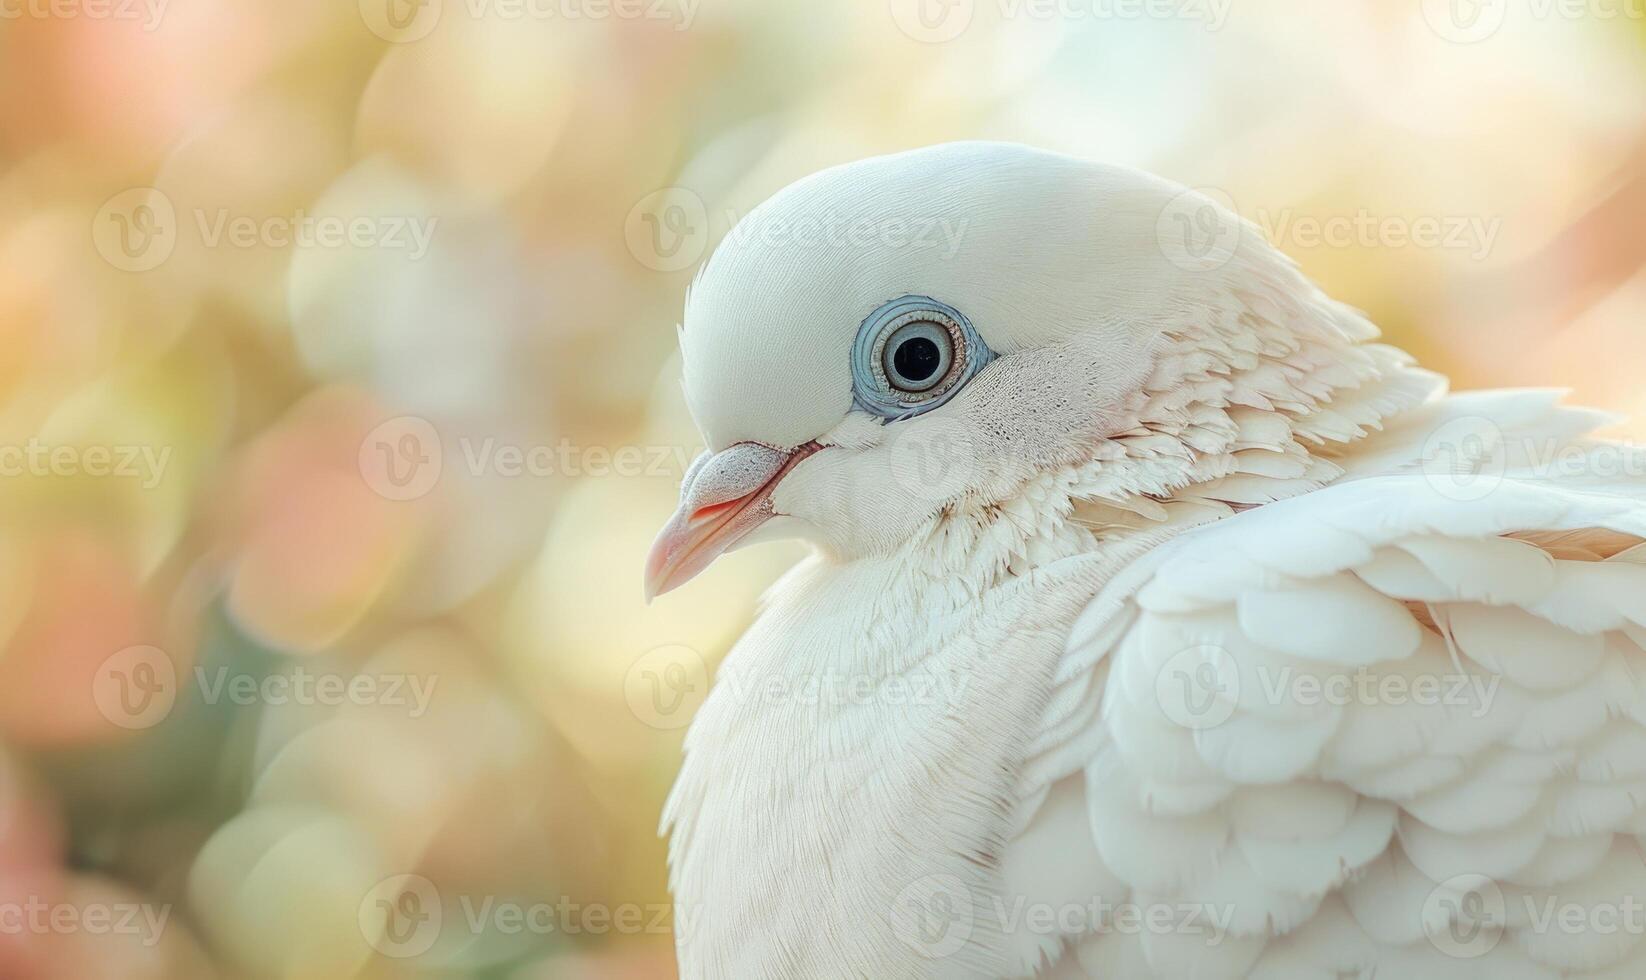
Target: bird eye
[
  {"x": 918, "y": 355},
  {"x": 912, "y": 354}
]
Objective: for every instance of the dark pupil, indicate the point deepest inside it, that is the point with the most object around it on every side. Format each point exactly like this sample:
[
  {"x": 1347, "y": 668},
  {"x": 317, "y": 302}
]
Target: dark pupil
[{"x": 916, "y": 359}]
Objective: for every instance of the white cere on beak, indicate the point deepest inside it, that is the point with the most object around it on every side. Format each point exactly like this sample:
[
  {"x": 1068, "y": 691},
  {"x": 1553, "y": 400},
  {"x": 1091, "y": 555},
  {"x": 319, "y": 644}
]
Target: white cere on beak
[{"x": 728, "y": 475}]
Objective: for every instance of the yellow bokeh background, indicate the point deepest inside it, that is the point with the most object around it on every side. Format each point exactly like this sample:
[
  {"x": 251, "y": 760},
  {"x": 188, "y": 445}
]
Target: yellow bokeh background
[{"x": 339, "y": 400}]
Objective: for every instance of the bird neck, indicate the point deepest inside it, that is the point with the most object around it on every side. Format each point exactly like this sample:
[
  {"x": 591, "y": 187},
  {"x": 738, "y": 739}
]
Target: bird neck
[{"x": 859, "y": 749}]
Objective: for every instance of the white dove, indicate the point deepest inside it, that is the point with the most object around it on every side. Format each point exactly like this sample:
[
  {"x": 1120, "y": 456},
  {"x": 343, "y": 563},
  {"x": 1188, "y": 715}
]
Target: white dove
[{"x": 1160, "y": 622}]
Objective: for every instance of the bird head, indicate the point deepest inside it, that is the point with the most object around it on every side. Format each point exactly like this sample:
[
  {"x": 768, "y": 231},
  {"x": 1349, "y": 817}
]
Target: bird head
[{"x": 912, "y": 339}]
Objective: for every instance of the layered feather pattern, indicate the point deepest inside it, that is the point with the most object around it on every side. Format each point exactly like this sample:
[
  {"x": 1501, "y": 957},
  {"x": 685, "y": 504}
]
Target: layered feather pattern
[{"x": 1335, "y": 719}]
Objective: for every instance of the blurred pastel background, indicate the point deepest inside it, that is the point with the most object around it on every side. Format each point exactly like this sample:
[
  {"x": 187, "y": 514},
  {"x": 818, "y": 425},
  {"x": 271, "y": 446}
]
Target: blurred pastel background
[{"x": 338, "y": 398}]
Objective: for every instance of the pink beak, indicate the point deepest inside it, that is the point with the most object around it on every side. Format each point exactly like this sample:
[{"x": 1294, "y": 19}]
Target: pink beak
[{"x": 724, "y": 497}]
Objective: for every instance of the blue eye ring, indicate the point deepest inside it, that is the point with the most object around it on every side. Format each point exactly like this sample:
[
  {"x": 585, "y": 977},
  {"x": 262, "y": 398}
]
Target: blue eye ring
[{"x": 877, "y": 389}]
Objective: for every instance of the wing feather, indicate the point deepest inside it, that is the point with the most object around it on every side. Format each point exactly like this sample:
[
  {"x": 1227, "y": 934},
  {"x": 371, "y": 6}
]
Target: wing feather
[{"x": 1415, "y": 719}]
